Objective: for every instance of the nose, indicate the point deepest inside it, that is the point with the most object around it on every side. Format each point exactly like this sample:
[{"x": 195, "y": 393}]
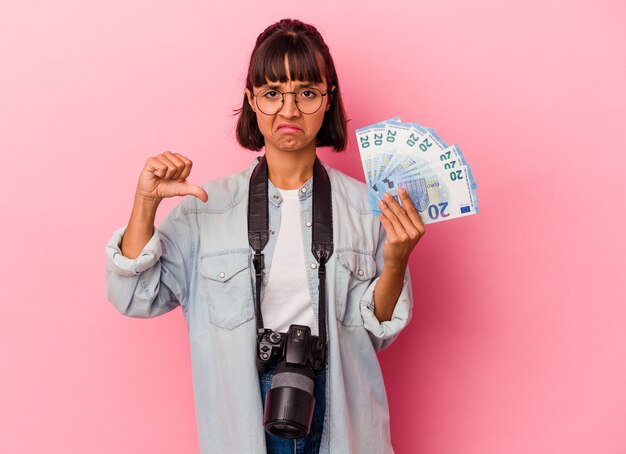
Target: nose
[{"x": 289, "y": 107}]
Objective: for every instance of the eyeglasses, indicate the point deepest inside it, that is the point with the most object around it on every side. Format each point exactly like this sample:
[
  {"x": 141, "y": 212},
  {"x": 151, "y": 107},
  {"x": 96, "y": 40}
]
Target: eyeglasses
[{"x": 308, "y": 100}]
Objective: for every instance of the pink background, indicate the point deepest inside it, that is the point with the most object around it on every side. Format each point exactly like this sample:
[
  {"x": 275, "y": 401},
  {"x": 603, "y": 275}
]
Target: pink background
[{"x": 517, "y": 344}]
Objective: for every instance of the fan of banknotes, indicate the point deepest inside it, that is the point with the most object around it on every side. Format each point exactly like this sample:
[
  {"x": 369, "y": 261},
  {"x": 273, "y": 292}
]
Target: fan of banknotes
[{"x": 407, "y": 155}]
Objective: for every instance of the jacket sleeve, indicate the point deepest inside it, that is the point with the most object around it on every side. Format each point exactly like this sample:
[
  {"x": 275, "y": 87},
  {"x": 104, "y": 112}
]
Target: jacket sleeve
[
  {"x": 383, "y": 334},
  {"x": 157, "y": 281}
]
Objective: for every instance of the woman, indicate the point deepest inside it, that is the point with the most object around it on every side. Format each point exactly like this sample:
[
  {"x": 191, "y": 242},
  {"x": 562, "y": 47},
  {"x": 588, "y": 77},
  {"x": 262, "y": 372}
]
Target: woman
[{"x": 200, "y": 258}]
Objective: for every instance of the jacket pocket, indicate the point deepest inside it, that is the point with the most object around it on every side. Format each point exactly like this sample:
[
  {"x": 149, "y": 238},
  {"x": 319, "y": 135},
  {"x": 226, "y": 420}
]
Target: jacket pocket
[
  {"x": 228, "y": 285},
  {"x": 354, "y": 273}
]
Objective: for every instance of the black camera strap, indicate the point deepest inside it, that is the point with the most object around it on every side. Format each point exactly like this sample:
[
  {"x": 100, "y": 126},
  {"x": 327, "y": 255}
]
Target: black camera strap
[{"x": 322, "y": 242}]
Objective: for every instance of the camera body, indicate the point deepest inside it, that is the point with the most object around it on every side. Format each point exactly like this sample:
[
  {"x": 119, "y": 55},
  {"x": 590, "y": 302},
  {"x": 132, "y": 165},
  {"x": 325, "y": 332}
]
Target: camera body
[
  {"x": 296, "y": 355},
  {"x": 296, "y": 347}
]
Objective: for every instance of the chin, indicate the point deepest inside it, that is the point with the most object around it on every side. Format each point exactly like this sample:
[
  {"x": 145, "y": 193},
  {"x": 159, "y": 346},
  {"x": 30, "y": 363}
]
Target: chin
[{"x": 290, "y": 145}]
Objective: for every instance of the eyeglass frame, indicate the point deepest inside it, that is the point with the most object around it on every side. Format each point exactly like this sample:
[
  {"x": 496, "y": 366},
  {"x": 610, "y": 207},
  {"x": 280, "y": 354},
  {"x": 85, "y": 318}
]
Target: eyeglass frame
[{"x": 282, "y": 99}]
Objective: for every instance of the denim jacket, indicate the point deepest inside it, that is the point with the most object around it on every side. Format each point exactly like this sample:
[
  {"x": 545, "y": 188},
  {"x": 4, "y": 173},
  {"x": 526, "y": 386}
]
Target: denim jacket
[{"x": 199, "y": 258}]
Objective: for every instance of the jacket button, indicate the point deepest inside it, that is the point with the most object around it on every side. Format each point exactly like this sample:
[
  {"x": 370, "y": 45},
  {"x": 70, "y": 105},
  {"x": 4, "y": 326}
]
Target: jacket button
[
  {"x": 361, "y": 273},
  {"x": 313, "y": 265},
  {"x": 303, "y": 190},
  {"x": 222, "y": 274},
  {"x": 308, "y": 223}
]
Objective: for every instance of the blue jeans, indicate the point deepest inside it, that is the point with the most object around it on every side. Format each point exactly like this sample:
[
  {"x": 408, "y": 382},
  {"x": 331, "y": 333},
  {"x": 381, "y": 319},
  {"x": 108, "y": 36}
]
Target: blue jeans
[{"x": 309, "y": 444}]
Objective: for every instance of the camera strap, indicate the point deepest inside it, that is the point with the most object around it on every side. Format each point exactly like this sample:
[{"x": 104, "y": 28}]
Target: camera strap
[{"x": 321, "y": 244}]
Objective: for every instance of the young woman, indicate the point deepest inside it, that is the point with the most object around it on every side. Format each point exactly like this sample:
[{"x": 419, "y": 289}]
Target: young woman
[{"x": 200, "y": 258}]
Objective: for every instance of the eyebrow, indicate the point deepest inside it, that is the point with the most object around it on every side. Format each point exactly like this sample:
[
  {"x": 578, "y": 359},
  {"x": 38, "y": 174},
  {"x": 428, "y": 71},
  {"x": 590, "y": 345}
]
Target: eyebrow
[{"x": 302, "y": 85}]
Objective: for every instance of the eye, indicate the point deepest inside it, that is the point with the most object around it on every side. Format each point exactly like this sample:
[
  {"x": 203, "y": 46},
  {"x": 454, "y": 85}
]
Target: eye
[
  {"x": 308, "y": 94},
  {"x": 271, "y": 94}
]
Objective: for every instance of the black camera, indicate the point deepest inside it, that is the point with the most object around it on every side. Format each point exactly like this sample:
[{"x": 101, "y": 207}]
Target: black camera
[{"x": 297, "y": 355}]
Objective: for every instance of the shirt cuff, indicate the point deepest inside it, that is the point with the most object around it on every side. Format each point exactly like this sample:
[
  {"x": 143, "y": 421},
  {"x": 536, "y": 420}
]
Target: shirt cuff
[
  {"x": 125, "y": 266},
  {"x": 399, "y": 318}
]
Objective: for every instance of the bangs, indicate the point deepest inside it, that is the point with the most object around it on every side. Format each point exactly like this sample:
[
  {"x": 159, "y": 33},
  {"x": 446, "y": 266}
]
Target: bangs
[
  {"x": 268, "y": 63},
  {"x": 292, "y": 44}
]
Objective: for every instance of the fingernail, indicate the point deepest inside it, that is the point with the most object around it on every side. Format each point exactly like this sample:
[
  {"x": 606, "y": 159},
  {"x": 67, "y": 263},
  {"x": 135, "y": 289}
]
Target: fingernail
[
  {"x": 387, "y": 196},
  {"x": 381, "y": 203},
  {"x": 402, "y": 191}
]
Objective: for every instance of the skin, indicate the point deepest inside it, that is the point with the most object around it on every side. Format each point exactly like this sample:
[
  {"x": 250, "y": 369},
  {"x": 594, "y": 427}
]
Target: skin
[
  {"x": 404, "y": 229},
  {"x": 290, "y": 157}
]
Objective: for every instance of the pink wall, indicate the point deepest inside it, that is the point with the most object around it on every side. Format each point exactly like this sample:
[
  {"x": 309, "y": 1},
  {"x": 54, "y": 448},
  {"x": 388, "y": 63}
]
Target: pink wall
[{"x": 517, "y": 343}]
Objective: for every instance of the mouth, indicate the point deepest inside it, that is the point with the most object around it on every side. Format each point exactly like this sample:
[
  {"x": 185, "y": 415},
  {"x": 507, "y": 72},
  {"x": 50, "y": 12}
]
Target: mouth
[{"x": 289, "y": 129}]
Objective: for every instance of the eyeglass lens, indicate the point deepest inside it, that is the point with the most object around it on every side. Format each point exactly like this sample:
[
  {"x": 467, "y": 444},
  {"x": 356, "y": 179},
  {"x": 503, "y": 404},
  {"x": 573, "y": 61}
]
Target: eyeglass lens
[{"x": 308, "y": 100}]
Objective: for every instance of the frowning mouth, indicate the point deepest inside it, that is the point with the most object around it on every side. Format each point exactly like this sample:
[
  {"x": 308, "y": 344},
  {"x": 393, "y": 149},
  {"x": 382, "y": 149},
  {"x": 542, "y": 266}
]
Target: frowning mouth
[{"x": 288, "y": 129}]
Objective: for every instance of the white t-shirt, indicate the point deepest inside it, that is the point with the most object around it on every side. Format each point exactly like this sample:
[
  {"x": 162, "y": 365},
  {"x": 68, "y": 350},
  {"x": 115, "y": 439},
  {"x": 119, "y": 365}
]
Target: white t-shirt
[{"x": 286, "y": 300}]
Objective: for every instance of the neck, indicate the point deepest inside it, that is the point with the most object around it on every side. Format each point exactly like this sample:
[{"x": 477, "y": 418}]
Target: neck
[{"x": 289, "y": 170}]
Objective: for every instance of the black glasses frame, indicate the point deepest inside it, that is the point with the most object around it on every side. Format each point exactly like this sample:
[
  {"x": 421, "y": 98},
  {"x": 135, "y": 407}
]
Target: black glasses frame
[{"x": 282, "y": 99}]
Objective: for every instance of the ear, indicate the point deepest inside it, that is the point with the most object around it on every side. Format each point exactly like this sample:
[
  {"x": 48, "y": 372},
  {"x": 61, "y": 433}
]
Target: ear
[
  {"x": 250, "y": 100},
  {"x": 332, "y": 89}
]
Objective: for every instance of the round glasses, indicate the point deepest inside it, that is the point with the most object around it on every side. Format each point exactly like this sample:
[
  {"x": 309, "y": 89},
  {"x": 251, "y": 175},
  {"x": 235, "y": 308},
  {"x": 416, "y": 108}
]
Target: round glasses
[{"x": 308, "y": 100}]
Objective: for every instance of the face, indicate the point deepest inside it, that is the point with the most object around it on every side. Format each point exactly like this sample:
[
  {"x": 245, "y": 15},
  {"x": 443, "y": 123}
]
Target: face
[{"x": 290, "y": 129}]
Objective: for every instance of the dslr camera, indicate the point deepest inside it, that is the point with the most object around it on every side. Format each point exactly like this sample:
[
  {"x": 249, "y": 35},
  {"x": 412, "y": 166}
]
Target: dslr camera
[{"x": 296, "y": 355}]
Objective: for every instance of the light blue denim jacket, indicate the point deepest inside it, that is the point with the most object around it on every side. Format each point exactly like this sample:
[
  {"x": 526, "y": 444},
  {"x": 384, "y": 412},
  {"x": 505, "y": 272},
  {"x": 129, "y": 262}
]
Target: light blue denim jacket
[{"x": 199, "y": 258}]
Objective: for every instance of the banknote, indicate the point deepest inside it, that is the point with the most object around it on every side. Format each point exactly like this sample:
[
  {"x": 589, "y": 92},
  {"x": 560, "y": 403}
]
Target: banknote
[
  {"x": 411, "y": 156},
  {"x": 370, "y": 142}
]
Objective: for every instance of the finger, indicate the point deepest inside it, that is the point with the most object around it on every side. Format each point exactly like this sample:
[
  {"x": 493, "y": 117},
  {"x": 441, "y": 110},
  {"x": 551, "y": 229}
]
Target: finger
[
  {"x": 402, "y": 215},
  {"x": 171, "y": 168},
  {"x": 397, "y": 231},
  {"x": 401, "y": 232},
  {"x": 388, "y": 226},
  {"x": 188, "y": 165},
  {"x": 178, "y": 163},
  {"x": 412, "y": 211},
  {"x": 157, "y": 167},
  {"x": 197, "y": 191}
]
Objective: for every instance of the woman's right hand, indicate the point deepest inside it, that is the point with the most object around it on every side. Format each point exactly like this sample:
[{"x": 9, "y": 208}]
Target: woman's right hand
[{"x": 165, "y": 175}]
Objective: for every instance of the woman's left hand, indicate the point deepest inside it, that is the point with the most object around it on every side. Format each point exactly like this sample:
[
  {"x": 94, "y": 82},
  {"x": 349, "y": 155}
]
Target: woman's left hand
[{"x": 404, "y": 229}]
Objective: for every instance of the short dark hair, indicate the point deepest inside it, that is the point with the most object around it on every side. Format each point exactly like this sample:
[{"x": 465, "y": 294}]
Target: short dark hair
[{"x": 307, "y": 55}]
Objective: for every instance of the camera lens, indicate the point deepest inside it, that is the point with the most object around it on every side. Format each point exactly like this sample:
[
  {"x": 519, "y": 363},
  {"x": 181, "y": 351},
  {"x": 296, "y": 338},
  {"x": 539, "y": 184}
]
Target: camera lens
[{"x": 290, "y": 402}]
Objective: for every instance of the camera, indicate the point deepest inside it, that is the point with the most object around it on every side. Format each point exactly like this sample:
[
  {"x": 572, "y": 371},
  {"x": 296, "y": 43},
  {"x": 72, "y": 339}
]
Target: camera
[{"x": 296, "y": 355}]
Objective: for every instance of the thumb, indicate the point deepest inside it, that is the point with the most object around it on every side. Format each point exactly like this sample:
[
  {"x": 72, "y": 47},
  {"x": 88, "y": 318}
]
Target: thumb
[{"x": 197, "y": 191}]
